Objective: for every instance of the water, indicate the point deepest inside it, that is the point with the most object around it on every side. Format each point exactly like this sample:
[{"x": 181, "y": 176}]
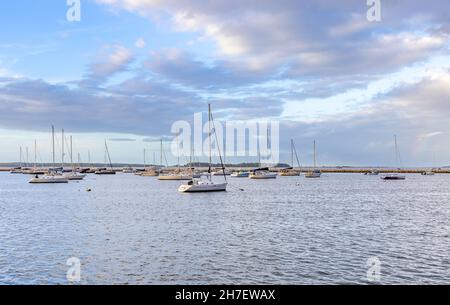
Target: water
[{"x": 136, "y": 230}]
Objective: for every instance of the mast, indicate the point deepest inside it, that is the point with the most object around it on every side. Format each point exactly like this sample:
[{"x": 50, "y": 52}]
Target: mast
[
  {"x": 145, "y": 161},
  {"x": 292, "y": 153},
  {"x": 20, "y": 156},
  {"x": 53, "y": 145},
  {"x": 35, "y": 154},
  {"x": 109, "y": 157},
  {"x": 315, "y": 160},
  {"x": 210, "y": 135},
  {"x": 62, "y": 151},
  {"x": 71, "y": 153},
  {"x": 26, "y": 159},
  {"x": 161, "y": 163}
]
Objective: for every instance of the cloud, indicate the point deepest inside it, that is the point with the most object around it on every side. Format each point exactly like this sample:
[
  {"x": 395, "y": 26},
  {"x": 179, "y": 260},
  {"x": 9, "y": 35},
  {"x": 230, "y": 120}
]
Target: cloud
[
  {"x": 112, "y": 59},
  {"x": 140, "y": 43}
]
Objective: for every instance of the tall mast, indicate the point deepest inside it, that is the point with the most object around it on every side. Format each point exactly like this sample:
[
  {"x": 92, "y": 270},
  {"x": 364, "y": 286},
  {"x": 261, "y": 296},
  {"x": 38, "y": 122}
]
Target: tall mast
[
  {"x": 20, "y": 156},
  {"x": 292, "y": 152},
  {"x": 35, "y": 154},
  {"x": 210, "y": 135},
  {"x": 53, "y": 145},
  {"x": 26, "y": 159},
  {"x": 161, "y": 163},
  {"x": 107, "y": 153},
  {"x": 315, "y": 160},
  {"x": 62, "y": 150},
  {"x": 145, "y": 159},
  {"x": 396, "y": 150},
  {"x": 71, "y": 152}
]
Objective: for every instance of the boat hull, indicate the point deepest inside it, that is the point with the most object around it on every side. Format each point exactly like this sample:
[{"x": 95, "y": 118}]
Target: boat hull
[
  {"x": 207, "y": 188},
  {"x": 263, "y": 177},
  {"x": 175, "y": 178}
]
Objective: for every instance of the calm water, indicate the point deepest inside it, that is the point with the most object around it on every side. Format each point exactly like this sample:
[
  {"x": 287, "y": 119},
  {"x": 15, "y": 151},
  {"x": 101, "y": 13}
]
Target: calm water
[{"x": 139, "y": 230}]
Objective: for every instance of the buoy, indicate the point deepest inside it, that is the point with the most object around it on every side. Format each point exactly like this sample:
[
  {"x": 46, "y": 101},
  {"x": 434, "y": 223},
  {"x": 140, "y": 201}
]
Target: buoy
[{"x": 88, "y": 190}]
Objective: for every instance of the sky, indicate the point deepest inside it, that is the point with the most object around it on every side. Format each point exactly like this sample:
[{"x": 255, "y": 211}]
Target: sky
[{"x": 130, "y": 68}]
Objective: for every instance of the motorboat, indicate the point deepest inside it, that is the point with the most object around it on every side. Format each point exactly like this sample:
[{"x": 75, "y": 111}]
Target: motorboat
[
  {"x": 49, "y": 178},
  {"x": 240, "y": 174},
  {"x": 74, "y": 176},
  {"x": 393, "y": 177}
]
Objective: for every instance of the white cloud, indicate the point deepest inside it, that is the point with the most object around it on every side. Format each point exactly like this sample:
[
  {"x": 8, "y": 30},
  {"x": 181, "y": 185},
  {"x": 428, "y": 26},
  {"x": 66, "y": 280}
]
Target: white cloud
[{"x": 140, "y": 43}]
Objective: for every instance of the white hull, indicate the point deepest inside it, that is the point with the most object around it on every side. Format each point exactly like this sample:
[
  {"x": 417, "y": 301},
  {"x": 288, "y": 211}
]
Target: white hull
[
  {"x": 263, "y": 176},
  {"x": 49, "y": 179},
  {"x": 202, "y": 187},
  {"x": 289, "y": 174},
  {"x": 75, "y": 176}
]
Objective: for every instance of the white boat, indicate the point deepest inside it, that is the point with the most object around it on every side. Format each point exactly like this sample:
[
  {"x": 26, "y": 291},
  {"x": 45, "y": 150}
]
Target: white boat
[
  {"x": 221, "y": 172},
  {"x": 203, "y": 186},
  {"x": 240, "y": 174},
  {"x": 16, "y": 171},
  {"x": 52, "y": 177},
  {"x": 127, "y": 170},
  {"x": 262, "y": 175},
  {"x": 74, "y": 176},
  {"x": 49, "y": 178},
  {"x": 316, "y": 173}
]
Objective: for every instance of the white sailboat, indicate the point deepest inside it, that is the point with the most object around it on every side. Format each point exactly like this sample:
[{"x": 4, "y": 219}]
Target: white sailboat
[
  {"x": 53, "y": 176},
  {"x": 315, "y": 173},
  {"x": 73, "y": 175},
  {"x": 291, "y": 172},
  {"x": 395, "y": 176},
  {"x": 202, "y": 186}
]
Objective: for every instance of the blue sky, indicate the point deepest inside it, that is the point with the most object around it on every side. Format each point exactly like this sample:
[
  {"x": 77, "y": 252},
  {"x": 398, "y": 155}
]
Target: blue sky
[{"x": 130, "y": 68}]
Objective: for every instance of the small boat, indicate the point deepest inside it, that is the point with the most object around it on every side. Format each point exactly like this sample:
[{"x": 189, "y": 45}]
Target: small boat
[
  {"x": 240, "y": 174},
  {"x": 372, "y": 173},
  {"x": 74, "y": 176},
  {"x": 49, "y": 178},
  {"x": 17, "y": 170},
  {"x": 429, "y": 173},
  {"x": 314, "y": 174},
  {"x": 203, "y": 186},
  {"x": 393, "y": 177},
  {"x": 262, "y": 173},
  {"x": 105, "y": 171},
  {"x": 148, "y": 173},
  {"x": 220, "y": 172},
  {"x": 288, "y": 172},
  {"x": 128, "y": 170}
]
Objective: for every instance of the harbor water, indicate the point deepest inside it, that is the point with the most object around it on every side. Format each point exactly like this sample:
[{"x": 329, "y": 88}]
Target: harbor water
[{"x": 292, "y": 230}]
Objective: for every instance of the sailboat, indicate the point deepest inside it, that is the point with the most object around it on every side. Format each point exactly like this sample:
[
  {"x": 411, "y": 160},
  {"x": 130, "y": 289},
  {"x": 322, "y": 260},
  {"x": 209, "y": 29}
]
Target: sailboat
[
  {"x": 105, "y": 171},
  {"x": 290, "y": 172},
  {"x": 53, "y": 176},
  {"x": 262, "y": 173},
  {"x": 315, "y": 173},
  {"x": 73, "y": 175},
  {"x": 395, "y": 176},
  {"x": 178, "y": 174},
  {"x": 148, "y": 172},
  {"x": 202, "y": 186},
  {"x": 18, "y": 170}
]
